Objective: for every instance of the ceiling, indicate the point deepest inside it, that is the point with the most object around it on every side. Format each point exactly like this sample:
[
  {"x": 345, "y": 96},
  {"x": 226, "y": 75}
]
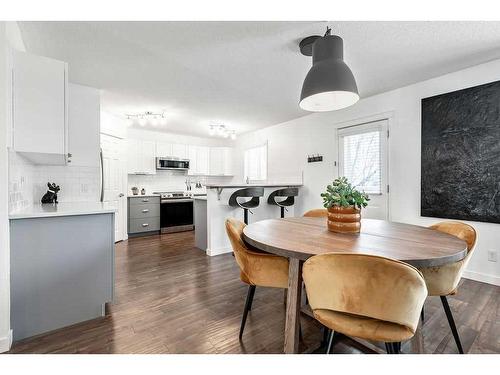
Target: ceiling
[{"x": 247, "y": 75}]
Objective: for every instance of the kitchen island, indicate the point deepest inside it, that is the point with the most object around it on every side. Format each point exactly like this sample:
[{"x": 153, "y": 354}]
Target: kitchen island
[
  {"x": 62, "y": 265},
  {"x": 218, "y": 210}
]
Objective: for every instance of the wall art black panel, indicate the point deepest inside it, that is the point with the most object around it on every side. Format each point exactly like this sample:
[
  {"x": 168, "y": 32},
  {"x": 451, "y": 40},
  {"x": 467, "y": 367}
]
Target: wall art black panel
[{"x": 461, "y": 154}]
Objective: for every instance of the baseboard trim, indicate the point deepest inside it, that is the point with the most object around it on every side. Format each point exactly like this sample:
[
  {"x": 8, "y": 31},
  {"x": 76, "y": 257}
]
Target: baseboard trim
[
  {"x": 219, "y": 251},
  {"x": 482, "y": 277},
  {"x": 6, "y": 342}
]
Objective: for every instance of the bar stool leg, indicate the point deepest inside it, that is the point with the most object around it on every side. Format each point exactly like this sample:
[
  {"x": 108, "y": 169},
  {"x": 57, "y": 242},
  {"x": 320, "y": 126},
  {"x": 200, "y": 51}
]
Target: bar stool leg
[
  {"x": 282, "y": 212},
  {"x": 245, "y": 216}
]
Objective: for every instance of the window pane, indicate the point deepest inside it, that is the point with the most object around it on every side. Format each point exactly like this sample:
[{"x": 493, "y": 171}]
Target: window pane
[
  {"x": 256, "y": 163},
  {"x": 362, "y": 161}
]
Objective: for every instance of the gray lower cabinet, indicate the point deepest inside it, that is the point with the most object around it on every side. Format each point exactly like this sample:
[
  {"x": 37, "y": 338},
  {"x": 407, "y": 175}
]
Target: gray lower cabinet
[
  {"x": 61, "y": 271},
  {"x": 143, "y": 215}
]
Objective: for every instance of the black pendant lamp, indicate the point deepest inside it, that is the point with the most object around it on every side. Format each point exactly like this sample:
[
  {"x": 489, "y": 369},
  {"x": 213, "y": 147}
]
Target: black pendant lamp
[{"x": 330, "y": 84}]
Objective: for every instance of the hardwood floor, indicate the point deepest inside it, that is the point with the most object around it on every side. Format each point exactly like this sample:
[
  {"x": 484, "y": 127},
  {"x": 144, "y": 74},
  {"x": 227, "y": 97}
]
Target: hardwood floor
[{"x": 172, "y": 298}]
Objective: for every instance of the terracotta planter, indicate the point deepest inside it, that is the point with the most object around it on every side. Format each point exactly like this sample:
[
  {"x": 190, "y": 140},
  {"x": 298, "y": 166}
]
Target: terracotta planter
[{"x": 344, "y": 219}]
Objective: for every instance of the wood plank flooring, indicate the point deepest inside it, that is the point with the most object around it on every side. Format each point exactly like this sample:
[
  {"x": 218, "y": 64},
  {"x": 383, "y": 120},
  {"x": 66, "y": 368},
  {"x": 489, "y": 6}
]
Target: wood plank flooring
[{"x": 172, "y": 298}]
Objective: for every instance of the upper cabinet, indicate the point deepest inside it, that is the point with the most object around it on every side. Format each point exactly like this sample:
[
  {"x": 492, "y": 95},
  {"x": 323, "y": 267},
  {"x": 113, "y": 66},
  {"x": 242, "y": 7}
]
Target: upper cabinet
[
  {"x": 179, "y": 151},
  {"x": 163, "y": 149},
  {"x": 198, "y": 160},
  {"x": 83, "y": 124},
  {"x": 141, "y": 157},
  {"x": 220, "y": 161},
  {"x": 40, "y": 108}
]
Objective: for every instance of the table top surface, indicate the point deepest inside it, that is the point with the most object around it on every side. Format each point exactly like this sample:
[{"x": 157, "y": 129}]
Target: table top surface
[{"x": 302, "y": 237}]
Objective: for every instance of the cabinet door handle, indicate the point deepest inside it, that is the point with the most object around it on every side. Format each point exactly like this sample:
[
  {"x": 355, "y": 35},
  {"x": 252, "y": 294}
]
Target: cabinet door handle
[
  {"x": 145, "y": 225},
  {"x": 145, "y": 200},
  {"x": 145, "y": 210}
]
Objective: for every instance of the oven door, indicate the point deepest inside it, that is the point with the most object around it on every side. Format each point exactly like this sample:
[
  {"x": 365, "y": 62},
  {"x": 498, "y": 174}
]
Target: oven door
[{"x": 176, "y": 215}]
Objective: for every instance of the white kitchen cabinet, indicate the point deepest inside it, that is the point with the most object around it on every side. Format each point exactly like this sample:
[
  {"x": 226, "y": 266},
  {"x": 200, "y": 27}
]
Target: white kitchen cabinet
[
  {"x": 163, "y": 149},
  {"x": 40, "y": 108},
  {"x": 202, "y": 160},
  {"x": 149, "y": 157},
  {"x": 220, "y": 161},
  {"x": 179, "y": 151},
  {"x": 141, "y": 157},
  {"x": 198, "y": 160},
  {"x": 83, "y": 125}
]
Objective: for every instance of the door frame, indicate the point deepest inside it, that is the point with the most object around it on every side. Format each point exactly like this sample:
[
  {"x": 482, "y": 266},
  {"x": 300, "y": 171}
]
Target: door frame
[
  {"x": 389, "y": 117},
  {"x": 123, "y": 181}
]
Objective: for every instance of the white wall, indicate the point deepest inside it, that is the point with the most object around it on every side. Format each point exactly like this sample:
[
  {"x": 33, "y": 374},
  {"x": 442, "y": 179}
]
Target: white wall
[
  {"x": 290, "y": 142},
  {"x": 10, "y": 36}
]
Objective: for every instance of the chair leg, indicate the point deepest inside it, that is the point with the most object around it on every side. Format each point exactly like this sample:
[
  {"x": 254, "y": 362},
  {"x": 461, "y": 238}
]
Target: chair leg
[
  {"x": 326, "y": 336},
  {"x": 282, "y": 212},
  {"x": 397, "y": 347},
  {"x": 330, "y": 342},
  {"x": 451, "y": 322},
  {"x": 251, "y": 297},
  {"x": 422, "y": 315},
  {"x": 388, "y": 347},
  {"x": 248, "y": 305},
  {"x": 245, "y": 216}
]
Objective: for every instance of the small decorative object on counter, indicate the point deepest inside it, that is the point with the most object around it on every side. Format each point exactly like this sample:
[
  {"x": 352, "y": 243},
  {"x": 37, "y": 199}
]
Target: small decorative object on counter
[
  {"x": 135, "y": 190},
  {"x": 51, "y": 195},
  {"x": 143, "y": 191},
  {"x": 344, "y": 203}
]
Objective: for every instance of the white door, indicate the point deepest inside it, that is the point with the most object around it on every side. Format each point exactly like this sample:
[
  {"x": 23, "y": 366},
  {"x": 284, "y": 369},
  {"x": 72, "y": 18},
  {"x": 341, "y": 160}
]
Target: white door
[
  {"x": 363, "y": 159},
  {"x": 114, "y": 175}
]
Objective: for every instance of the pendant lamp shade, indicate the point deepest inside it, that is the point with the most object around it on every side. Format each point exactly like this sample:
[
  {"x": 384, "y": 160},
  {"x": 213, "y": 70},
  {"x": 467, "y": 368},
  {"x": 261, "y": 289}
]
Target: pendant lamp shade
[{"x": 329, "y": 84}]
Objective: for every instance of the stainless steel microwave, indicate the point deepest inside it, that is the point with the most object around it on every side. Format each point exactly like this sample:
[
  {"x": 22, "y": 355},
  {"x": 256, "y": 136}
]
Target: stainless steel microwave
[{"x": 172, "y": 163}]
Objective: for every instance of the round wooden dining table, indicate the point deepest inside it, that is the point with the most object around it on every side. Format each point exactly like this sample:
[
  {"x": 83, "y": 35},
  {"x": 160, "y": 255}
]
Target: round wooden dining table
[{"x": 299, "y": 238}]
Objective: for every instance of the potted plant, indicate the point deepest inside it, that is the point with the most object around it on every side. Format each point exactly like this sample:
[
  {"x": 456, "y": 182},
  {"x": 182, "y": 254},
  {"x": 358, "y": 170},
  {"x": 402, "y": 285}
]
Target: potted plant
[{"x": 344, "y": 202}]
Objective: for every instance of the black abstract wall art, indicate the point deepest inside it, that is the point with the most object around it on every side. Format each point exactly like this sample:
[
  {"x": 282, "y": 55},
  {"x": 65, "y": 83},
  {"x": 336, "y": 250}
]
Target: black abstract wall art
[{"x": 460, "y": 176}]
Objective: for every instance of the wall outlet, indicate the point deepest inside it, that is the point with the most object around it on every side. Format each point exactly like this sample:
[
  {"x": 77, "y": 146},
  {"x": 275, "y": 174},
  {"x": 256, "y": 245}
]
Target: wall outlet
[{"x": 492, "y": 256}]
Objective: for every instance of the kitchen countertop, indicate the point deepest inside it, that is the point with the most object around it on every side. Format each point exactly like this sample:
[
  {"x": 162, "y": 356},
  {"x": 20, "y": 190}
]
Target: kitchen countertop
[
  {"x": 200, "y": 197},
  {"x": 143, "y": 196},
  {"x": 242, "y": 185},
  {"x": 62, "y": 209}
]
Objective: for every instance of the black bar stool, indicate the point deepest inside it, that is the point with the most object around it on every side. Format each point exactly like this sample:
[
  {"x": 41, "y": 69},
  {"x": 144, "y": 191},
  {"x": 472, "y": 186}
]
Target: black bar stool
[
  {"x": 289, "y": 193},
  {"x": 254, "y": 193}
]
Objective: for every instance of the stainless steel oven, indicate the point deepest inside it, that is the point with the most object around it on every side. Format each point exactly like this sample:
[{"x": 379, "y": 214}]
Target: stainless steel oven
[
  {"x": 172, "y": 164},
  {"x": 176, "y": 212}
]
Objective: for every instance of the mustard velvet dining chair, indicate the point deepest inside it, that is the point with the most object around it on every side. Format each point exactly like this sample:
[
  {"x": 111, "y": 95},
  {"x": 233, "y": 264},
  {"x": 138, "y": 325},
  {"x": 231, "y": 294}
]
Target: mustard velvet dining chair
[
  {"x": 443, "y": 281},
  {"x": 256, "y": 269},
  {"x": 365, "y": 296},
  {"x": 317, "y": 212}
]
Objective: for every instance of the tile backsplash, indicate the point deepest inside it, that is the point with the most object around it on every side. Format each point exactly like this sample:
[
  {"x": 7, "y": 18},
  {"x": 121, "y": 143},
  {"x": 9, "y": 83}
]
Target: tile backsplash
[
  {"x": 28, "y": 182},
  {"x": 168, "y": 181}
]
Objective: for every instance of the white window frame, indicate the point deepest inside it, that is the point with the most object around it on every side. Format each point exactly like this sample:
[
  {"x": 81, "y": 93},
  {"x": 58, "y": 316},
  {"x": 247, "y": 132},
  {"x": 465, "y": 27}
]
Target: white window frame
[
  {"x": 265, "y": 145},
  {"x": 366, "y": 128}
]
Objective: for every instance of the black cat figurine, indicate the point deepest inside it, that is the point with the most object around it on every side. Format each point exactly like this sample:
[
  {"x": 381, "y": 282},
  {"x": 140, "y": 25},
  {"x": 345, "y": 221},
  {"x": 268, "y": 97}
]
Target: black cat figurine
[{"x": 51, "y": 195}]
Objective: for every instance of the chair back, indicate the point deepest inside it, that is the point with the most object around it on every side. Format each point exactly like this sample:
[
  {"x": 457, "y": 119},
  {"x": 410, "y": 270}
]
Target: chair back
[
  {"x": 366, "y": 285},
  {"x": 317, "y": 212},
  {"x": 254, "y": 193},
  {"x": 463, "y": 231},
  {"x": 289, "y": 193}
]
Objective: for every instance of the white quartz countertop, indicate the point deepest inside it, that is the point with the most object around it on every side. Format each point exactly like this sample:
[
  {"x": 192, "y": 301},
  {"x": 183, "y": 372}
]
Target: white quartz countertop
[
  {"x": 63, "y": 209},
  {"x": 243, "y": 185},
  {"x": 200, "y": 198}
]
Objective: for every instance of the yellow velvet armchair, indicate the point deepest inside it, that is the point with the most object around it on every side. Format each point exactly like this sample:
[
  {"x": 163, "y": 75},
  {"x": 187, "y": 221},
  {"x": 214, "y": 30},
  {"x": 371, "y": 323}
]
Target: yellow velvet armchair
[
  {"x": 443, "y": 280},
  {"x": 256, "y": 268},
  {"x": 365, "y": 296}
]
